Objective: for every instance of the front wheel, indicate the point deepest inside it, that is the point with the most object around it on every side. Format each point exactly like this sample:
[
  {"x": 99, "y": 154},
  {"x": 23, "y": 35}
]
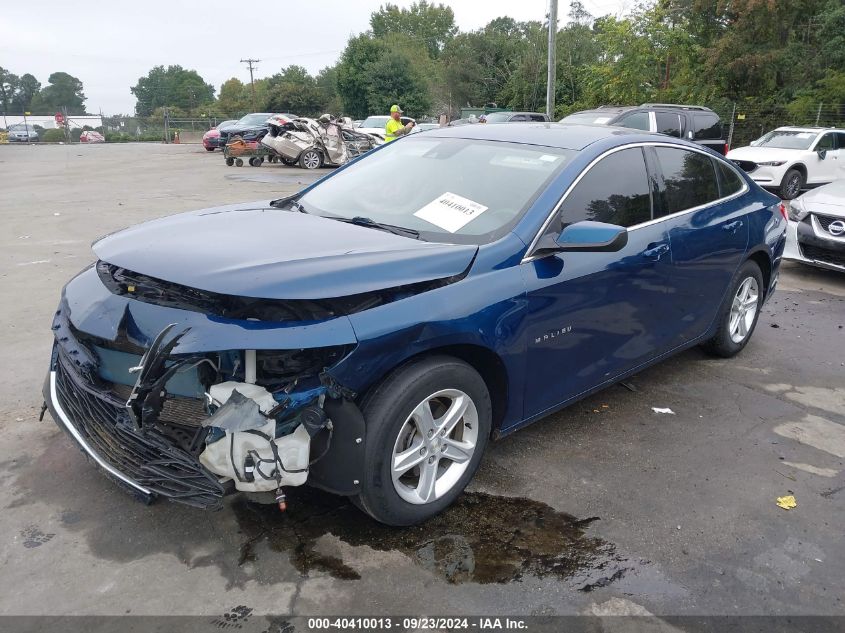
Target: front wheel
[
  {"x": 427, "y": 427},
  {"x": 209, "y": 149},
  {"x": 791, "y": 184},
  {"x": 739, "y": 313}
]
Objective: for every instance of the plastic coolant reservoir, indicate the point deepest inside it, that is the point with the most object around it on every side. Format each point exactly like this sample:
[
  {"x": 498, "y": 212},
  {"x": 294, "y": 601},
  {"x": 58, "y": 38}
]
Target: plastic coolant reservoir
[
  {"x": 294, "y": 451},
  {"x": 222, "y": 392}
]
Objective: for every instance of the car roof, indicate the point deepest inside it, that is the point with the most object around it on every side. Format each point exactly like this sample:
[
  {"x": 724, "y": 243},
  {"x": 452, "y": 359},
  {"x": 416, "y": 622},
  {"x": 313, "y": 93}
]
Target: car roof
[
  {"x": 795, "y": 128},
  {"x": 560, "y": 135},
  {"x": 605, "y": 110}
]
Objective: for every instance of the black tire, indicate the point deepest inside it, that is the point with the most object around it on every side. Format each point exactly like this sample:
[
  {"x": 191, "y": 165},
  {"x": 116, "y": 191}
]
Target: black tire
[
  {"x": 290, "y": 162},
  {"x": 310, "y": 159},
  {"x": 791, "y": 185},
  {"x": 723, "y": 344},
  {"x": 239, "y": 162},
  {"x": 230, "y": 161},
  {"x": 387, "y": 407},
  {"x": 209, "y": 149}
]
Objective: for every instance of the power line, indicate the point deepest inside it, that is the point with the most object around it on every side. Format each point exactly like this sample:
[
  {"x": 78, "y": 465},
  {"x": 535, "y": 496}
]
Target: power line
[{"x": 251, "y": 63}]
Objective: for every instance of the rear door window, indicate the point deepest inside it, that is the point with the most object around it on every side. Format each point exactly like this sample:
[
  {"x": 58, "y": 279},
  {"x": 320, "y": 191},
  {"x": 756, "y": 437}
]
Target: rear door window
[
  {"x": 518, "y": 117},
  {"x": 636, "y": 121},
  {"x": 669, "y": 123},
  {"x": 840, "y": 138},
  {"x": 615, "y": 190},
  {"x": 689, "y": 179},
  {"x": 538, "y": 117},
  {"x": 707, "y": 127}
]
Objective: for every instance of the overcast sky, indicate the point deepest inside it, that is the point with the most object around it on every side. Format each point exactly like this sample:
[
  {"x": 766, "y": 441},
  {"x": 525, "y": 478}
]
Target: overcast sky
[{"x": 110, "y": 45}]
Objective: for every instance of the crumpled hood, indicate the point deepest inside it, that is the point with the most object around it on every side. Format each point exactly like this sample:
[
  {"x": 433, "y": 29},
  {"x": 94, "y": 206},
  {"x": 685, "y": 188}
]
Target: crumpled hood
[
  {"x": 764, "y": 154},
  {"x": 832, "y": 195},
  {"x": 255, "y": 250}
]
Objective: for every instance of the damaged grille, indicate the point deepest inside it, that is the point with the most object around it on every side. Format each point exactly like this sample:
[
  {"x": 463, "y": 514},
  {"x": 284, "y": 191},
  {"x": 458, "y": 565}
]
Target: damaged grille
[
  {"x": 148, "y": 457},
  {"x": 148, "y": 289}
]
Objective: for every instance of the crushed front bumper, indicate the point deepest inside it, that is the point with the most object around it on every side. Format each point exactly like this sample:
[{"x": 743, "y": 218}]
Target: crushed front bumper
[{"x": 146, "y": 462}]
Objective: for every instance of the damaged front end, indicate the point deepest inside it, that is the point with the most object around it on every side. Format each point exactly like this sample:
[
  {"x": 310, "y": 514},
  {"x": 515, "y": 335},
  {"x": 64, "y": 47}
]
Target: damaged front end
[{"x": 171, "y": 409}]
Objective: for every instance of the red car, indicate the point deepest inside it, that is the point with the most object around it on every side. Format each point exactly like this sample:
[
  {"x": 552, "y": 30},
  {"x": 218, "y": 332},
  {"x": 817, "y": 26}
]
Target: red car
[
  {"x": 211, "y": 139},
  {"x": 91, "y": 136}
]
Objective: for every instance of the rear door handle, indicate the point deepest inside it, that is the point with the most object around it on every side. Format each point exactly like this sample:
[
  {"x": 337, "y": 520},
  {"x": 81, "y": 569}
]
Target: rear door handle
[
  {"x": 656, "y": 252},
  {"x": 733, "y": 226}
]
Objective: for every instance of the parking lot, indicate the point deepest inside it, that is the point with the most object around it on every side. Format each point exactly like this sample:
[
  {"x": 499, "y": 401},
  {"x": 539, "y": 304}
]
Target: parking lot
[{"x": 607, "y": 507}]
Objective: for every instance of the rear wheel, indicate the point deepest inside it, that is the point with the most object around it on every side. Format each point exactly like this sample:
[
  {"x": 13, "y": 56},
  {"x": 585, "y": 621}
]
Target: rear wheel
[
  {"x": 791, "y": 185},
  {"x": 230, "y": 161},
  {"x": 739, "y": 313},
  {"x": 239, "y": 162},
  {"x": 427, "y": 427},
  {"x": 310, "y": 159}
]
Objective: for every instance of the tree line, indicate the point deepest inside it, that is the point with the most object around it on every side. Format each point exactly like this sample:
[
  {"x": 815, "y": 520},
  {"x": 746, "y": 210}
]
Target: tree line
[
  {"x": 761, "y": 54},
  {"x": 24, "y": 93}
]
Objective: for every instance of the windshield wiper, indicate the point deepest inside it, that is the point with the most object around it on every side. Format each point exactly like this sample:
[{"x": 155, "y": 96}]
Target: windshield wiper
[
  {"x": 390, "y": 228},
  {"x": 290, "y": 201}
]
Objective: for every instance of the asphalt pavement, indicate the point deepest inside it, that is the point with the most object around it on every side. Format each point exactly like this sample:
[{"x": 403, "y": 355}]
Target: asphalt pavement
[{"x": 605, "y": 507}]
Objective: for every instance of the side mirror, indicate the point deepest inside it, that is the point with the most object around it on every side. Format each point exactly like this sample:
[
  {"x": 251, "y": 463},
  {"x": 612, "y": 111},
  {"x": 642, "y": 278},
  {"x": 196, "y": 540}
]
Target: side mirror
[
  {"x": 586, "y": 236},
  {"x": 754, "y": 143},
  {"x": 822, "y": 154}
]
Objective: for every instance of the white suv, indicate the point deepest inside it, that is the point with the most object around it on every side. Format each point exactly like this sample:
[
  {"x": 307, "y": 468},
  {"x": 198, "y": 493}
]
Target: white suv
[{"x": 788, "y": 159}]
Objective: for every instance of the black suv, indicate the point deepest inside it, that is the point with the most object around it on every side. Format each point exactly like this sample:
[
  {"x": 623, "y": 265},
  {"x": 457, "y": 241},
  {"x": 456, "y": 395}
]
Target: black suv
[{"x": 693, "y": 123}]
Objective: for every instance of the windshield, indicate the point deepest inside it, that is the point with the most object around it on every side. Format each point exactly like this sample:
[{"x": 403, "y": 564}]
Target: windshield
[
  {"x": 449, "y": 190},
  {"x": 787, "y": 139},
  {"x": 587, "y": 118},
  {"x": 20, "y": 127},
  {"x": 254, "y": 119},
  {"x": 375, "y": 121},
  {"x": 498, "y": 117}
]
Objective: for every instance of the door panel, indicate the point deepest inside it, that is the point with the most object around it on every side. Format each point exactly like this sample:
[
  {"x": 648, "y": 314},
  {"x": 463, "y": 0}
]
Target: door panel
[
  {"x": 708, "y": 243},
  {"x": 827, "y": 169},
  {"x": 594, "y": 315}
]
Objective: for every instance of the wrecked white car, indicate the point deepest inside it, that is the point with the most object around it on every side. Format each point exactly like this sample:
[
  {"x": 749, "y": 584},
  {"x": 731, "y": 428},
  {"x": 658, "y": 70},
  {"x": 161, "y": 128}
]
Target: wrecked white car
[{"x": 313, "y": 143}]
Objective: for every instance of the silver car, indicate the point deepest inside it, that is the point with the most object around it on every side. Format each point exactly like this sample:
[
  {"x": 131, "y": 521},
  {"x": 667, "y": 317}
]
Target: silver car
[
  {"x": 22, "y": 132},
  {"x": 816, "y": 233}
]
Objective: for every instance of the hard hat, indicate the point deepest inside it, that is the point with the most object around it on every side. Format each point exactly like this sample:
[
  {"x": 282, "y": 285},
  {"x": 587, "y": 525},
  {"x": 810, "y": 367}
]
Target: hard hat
[{"x": 395, "y": 108}]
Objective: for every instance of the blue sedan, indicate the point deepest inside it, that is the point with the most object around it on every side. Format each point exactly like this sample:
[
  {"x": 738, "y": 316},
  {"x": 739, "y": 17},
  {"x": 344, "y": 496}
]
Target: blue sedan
[{"x": 370, "y": 334}]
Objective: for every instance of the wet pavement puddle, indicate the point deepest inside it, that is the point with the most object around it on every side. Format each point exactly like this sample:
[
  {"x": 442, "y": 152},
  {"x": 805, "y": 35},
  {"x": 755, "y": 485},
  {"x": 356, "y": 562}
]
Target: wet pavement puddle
[{"x": 481, "y": 539}]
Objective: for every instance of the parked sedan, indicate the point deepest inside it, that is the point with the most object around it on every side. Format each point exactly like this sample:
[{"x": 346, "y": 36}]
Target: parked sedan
[
  {"x": 211, "y": 139},
  {"x": 251, "y": 127},
  {"x": 22, "y": 133},
  {"x": 91, "y": 136},
  {"x": 816, "y": 233},
  {"x": 516, "y": 117},
  {"x": 371, "y": 340}
]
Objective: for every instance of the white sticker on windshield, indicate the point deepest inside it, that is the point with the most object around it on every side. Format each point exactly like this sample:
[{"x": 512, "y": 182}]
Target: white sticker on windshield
[
  {"x": 548, "y": 158},
  {"x": 601, "y": 120},
  {"x": 805, "y": 135},
  {"x": 450, "y": 212}
]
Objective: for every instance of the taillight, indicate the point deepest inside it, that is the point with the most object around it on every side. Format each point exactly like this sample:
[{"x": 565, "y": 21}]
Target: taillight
[
  {"x": 727, "y": 149},
  {"x": 783, "y": 211}
]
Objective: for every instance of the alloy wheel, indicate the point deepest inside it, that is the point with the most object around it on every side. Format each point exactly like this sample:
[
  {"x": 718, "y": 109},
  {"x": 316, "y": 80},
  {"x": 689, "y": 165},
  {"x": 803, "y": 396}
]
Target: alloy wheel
[
  {"x": 311, "y": 160},
  {"x": 435, "y": 446},
  {"x": 793, "y": 186},
  {"x": 744, "y": 309}
]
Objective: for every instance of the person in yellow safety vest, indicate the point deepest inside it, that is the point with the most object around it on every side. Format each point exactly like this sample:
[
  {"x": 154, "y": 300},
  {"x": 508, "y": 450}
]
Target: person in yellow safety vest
[{"x": 394, "y": 127}]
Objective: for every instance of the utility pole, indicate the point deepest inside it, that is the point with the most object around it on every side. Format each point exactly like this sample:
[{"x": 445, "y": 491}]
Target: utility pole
[
  {"x": 818, "y": 115},
  {"x": 249, "y": 62},
  {"x": 550, "y": 78}
]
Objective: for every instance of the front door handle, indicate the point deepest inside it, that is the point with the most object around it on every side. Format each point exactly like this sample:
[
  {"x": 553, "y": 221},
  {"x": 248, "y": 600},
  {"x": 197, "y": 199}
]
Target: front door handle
[
  {"x": 656, "y": 252},
  {"x": 733, "y": 227}
]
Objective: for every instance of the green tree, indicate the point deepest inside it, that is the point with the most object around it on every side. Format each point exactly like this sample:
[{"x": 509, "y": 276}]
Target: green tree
[
  {"x": 352, "y": 79},
  {"x": 393, "y": 78},
  {"x": 28, "y": 88},
  {"x": 9, "y": 83},
  {"x": 235, "y": 97},
  {"x": 62, "y": 91},
  {"x": 294, "y": 90},
  {"x": 173, "y": 86},
  {"x": 432, "y": 25}
]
